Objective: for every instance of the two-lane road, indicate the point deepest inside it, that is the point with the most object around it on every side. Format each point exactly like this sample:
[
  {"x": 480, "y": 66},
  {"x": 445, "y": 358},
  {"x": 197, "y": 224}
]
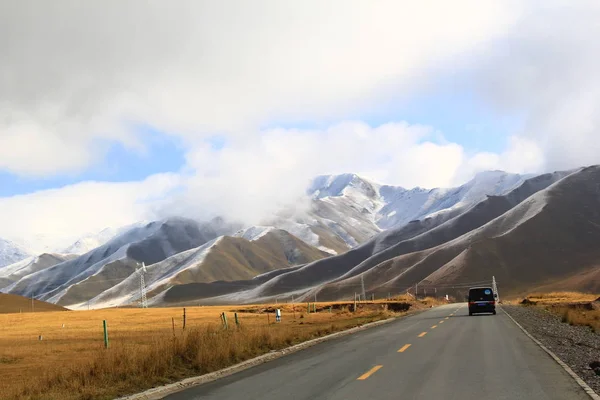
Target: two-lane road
[{"x": 439, "y": 354}]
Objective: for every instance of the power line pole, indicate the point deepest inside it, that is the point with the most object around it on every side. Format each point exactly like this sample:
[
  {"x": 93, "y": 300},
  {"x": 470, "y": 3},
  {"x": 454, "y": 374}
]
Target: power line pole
[
  {"x": 362, "y": 282},
  {"x": 143, "y": 299},
  {"x": 495, "y": 289},
  {"x": 32, "y": 302}
]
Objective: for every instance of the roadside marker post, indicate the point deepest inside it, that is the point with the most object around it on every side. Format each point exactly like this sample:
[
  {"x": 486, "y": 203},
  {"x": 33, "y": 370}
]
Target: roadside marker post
[
  {"x": 104, "y": 324},
  {"x": 278, "y": 315},
  {"x": 308, "y": 307},
  {"x": 236, "y": 319},
  {"x": 355, "y": 302},
  {"x": 314, "y": 307},
  {"x": 173, "y": 322}
]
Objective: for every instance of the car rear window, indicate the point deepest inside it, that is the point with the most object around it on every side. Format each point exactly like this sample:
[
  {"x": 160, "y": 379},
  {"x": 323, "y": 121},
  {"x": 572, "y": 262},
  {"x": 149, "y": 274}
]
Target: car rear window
[{"x": 482, "y": 294}]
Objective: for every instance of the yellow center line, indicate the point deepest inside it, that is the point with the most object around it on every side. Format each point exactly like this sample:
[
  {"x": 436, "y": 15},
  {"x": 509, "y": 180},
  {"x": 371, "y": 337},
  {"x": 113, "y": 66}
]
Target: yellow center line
[
  {"x": 370, "y": 372},
  {"x": 442, "y": 321},
  {"x": 404, "y": 348},
  {"x": 447, "y": 318},
  {"x": 423, "y": 334},
  {"x": 433, "y": 327}
]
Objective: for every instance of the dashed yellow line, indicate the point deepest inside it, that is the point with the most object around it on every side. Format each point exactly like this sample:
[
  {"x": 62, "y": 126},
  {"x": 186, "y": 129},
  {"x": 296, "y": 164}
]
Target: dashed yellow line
[
  {"x": 404, "y": 348},
  {"x": 433, "y": 327},
  {"x": 423, "y": 334},
  {"x": 441, "y": 322},
  {"x": 366, "y": 375},
  {"x": 447, "y": 318}
]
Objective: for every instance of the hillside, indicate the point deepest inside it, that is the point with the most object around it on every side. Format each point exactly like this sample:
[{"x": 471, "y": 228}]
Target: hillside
[
  {"x": 227, "y": 258},
  {"x": 10, "y": 303},
  {"x": 444, "y": 250}
]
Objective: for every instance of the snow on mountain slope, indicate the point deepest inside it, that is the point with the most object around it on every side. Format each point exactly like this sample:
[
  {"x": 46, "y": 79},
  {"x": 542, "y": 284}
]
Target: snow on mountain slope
[
  {"x": 14, "y": 272},
  {"x": 11, "y": 253},
  {"x": 92, "y": 241},
  {"x": 226, "y": 258},
  {"x": 150, "y": 243}
]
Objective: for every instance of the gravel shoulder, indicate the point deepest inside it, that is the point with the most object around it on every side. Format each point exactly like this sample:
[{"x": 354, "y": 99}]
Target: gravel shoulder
[{"x": 577, "y": 346}]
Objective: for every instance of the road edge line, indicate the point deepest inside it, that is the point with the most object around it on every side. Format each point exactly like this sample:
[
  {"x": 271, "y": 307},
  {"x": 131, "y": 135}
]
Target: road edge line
[
  {"x": 162, "y": 391},
  {"x": 560, "y": 362}
]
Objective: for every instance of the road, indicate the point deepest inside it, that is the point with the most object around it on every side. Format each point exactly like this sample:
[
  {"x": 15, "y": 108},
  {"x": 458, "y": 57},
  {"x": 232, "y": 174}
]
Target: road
[{"x": 439, "y": 354}]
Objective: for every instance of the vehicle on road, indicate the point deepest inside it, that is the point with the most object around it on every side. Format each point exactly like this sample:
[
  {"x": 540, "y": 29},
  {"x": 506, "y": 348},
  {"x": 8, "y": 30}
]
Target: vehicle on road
[{"x": 482, "y": 300}]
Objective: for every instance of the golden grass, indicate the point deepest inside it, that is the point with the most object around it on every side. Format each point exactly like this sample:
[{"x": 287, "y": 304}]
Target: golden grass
[
  {"x": 573, "y": 307},
  {"x": 561, "y": 297},
  {"x": 70, "y": 362}
]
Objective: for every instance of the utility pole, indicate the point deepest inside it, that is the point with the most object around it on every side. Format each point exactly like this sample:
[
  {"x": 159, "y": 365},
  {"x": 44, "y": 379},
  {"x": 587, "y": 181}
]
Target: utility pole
[
  {"x": 495, "y": 289},
  {"x": 31, "y": 302},
  {"x": 362, "y": 282},
  {"x": 143, "y": 299}
]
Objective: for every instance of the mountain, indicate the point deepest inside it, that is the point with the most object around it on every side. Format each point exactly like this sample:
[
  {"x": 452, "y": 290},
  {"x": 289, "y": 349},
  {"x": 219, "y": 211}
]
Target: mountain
[
  {"x": 351, "y": 230},
  {"x": 119, "y": 257},
  {"x": 11, "y": 253},
  {"x": 11, "y": 274},
  {"x": 10, "y": 303},
  {"x": 393, "y": 261},
  {"x": 244, "y": 255},
  {"x": 347, "y": 210}
]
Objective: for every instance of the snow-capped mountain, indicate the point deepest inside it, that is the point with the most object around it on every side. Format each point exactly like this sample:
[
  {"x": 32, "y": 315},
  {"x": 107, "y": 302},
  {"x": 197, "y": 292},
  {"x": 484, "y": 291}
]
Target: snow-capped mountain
[
  {"x": 343, "y": 212},
  {"x": 386, "y": 206},
  {"x": 90, "y": 242},
  {"x": 11, "y": 252}
]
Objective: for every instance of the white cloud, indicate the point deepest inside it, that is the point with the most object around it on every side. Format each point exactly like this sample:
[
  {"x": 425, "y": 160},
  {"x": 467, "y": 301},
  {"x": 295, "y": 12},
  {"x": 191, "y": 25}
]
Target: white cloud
[
  {"x": 249, "y": 180},
  {"x": 546, "y": 72},
  {"x": 73, "y": 75},
  {"x": 56, "y": 218}
]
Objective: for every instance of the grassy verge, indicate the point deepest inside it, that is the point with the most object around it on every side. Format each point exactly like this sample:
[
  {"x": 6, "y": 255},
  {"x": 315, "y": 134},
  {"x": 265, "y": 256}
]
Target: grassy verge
[
  {"x": 165, "y": 356},
  {"x": 574, "y": 308}
]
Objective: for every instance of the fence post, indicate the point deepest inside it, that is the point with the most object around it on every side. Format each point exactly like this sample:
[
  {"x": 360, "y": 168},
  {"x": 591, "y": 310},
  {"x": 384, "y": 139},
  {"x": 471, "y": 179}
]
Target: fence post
[
  {"x": 308, "y": 307},
  {"x": 184, "y": 318},
  {"x": 355, "y": 302},
  {"x": 225, "y": 321},
  {"x": 314, "y": 307},
  {"x": 173, "y": 322},
  {"x": 105, "y": 334},
  {"x": 329, "y": 309},
  {"x": 372, "y": 296},
  {"x": 236, "y": 319}
]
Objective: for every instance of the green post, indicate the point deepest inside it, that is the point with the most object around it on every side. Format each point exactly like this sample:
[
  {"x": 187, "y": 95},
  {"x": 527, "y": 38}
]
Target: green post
[
  {"x": 308, "y": 307},
  {"x": 105, "y": 334},
  {"x": 314, "y": 307},
  {"x": 372, "y": 296},
  {"x": 237, "y": 322},
  {"x": 225, "y": 321},
  {"x": 329, "y": 309}
]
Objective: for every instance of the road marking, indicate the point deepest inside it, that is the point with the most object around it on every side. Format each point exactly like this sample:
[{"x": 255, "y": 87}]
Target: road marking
[
  {"x": 370, "y": 372},
  {"x": 442, "y": 321},
  {"x": 447, "y": 318},
  {"x": 404, "y": 348},
  {"x": 423, "y": 334},
  {"x": 433, "y": 327}
]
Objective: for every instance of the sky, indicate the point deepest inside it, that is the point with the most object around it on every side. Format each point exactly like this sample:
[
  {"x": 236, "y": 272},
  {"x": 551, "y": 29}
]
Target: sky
[{"x": 115, "y": 112}]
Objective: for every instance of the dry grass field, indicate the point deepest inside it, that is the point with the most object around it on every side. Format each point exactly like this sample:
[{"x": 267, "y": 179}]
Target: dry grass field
[
  {"x": 574, "y": 308},
  {"x": 70, "y": 362}
]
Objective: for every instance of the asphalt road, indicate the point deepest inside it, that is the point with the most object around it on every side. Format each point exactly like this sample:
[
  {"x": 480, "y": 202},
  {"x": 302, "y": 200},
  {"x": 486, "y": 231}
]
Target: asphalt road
[{"x": 439, "y": 354}]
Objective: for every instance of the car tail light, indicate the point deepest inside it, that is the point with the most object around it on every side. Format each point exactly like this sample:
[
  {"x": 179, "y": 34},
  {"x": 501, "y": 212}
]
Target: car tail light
[{"x": 493, "y": 303}]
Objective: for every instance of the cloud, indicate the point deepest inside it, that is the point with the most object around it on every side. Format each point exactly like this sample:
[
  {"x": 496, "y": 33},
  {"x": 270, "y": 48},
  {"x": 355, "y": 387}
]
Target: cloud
[
  {"x": 56, "y": 218},
  {"x": 545, "y": 70},
  {"x": 249, "y": 181},
  {"x": 73, "y": 75}
]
